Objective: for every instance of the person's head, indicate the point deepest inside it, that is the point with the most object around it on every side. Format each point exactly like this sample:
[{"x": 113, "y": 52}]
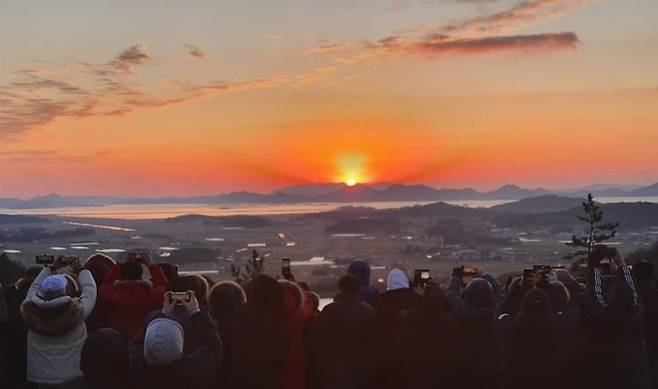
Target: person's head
[
  {"x": 599, "y": 253},
  {"x": 314, "y": 300},
  {"x": 569, "y": 281},
  {"x": 99, "y": 265},
  {"x": 131, "y": 271},
  {"x": 349, "y": 285},
  {"x": 32, "y": 272},
  {"x": 163, "y": 342},
  {"x": 397, "y": 280},
  {"x": 643, "y": 271},
  {"x": 293, "y": 296},
  {"x": 191, "y": 282},
  {"x": 479, "y": 294},
  {"x": 558, "y": 296},
  {"x": 265, "y": 294},
  {"x": 104, "y": 358},
  {"x": 170, "y": 270},
  {"x": 225, "y": 296},
  {"x": 361, "y": 270},
  {"x": 535, "y": 301},
  {"x": 53, "y": 287},
  {"x": 433, "y": 299}
]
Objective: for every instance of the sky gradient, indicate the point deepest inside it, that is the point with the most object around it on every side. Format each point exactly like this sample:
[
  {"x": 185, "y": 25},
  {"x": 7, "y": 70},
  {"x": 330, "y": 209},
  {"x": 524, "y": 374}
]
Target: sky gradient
[{"x": 195, "y": 97}]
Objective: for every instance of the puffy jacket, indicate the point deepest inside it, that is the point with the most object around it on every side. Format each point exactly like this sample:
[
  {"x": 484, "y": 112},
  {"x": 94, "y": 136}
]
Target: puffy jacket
[
  {"x": 129, "y": 302},
  {"x": 57, "y": 330}
]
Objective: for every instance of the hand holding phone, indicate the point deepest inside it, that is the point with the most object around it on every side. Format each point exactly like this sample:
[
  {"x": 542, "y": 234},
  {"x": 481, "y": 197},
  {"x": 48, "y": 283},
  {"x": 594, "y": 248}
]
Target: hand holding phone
[{"x": 286, "y": 270}]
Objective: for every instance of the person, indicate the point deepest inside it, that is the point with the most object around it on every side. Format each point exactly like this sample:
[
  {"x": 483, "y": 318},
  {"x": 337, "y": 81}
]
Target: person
[
  {"x": 361, "y": 270},
  {"x": 340, "y": 340},
  {"x": 56, "y": 324},
  {"x": 157, "y": 357},
  {"x": 532, "y": 332},
  {"x": 104, "y": 362},
  {"x": 225, "y": 298},
  {"x": 129, "y": 298},
  {"x": 296, "y": 317},
  {"x": 398, "y": 296},
  {"x": 644, "y": 273},
  {"x": 255, "y": 339},
  {"x": 15, "y": 330},
  {"x": 429, "y": 341},
  {"x": 99, "y": 265},
  {"x": 615, "y": 347},
  {"x": 474, "y": 307}
]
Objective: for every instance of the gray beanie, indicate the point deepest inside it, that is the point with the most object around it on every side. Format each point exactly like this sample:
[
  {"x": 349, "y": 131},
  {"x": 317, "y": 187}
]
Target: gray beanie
[{"x": 163, "y": 342}]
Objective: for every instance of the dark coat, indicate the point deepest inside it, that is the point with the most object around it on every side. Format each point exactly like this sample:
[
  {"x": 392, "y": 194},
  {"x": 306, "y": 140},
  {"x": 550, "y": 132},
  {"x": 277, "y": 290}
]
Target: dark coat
[
  {"x": 255, "y": 350},
  {"x": 474, "y": 308},
  {"x": 431, "y": 344},
  {"x": 388, "y": 307},
  {"x": 340, "y": 346},
  {"x": 195, "y": 370}
]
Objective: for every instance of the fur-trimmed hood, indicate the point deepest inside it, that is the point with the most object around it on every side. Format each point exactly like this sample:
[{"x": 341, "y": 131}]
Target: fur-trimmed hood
[{"x": 54, "y": 317}]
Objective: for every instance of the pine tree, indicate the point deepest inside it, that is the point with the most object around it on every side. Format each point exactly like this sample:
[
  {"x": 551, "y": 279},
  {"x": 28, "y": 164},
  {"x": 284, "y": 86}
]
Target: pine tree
[
  {"x": 595, "y": 234},
  {"x": 252, "y": 268}
]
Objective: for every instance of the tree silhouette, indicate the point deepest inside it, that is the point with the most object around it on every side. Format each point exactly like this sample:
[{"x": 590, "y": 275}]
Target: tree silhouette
[
  {"x": 252, "y": 268},
  {"x": 595, "y": 234}
]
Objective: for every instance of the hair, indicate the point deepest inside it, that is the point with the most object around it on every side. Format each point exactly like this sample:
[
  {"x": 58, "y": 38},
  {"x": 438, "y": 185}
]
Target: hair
[
  {"x": 170, "y": 270},
  {"x": 536, "y": 301},
  {"x": 433, "y": 299},
  {"x": 349, "y": 285},
  {"x": 294, "y": 290},
  {"x": 643, "y": 271},
  {"x": 314, "y": 300},
  {"x": 104, "y": 357},
  {"x": 191, "y": 282},
  {"x": 265, "y": 294},
  {"x": 558, "y": 296},
  {"x": 600, "y": 253},
  {"x": 131, "y": 271},
  {"x": 225, "y": 296}
]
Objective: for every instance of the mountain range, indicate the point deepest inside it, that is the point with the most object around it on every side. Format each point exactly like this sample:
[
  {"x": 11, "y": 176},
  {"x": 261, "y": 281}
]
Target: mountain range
[{"x": 338, "y": 193}]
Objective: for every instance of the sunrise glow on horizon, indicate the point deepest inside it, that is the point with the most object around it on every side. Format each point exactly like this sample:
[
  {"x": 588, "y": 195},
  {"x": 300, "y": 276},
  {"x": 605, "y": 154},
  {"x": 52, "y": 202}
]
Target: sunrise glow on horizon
[{"x": 189, "y": 98}]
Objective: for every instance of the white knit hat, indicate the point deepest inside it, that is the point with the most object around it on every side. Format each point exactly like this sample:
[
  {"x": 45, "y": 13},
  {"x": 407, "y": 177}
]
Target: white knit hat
[{"x": 163, "y": 342}]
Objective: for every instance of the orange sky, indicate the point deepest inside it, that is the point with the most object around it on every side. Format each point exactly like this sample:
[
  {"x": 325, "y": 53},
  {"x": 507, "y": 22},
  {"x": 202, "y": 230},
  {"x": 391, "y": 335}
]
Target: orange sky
[{"x": 538, "y": 93}]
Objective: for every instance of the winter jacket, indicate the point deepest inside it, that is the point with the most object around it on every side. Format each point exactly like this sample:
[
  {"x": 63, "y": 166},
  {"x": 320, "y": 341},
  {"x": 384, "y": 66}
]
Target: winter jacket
[
  {"x": 340, "y": 345},
  {"x": 129, "y": 302},
  {"x": 255, "y": 350},
  {"x": 474, "y": 308},
  {"x": 387, "y": 308},
  {"x": 615, "y": 347},
  {"x": 196, "y": 370},
  {"x": 57, "y": 330}
]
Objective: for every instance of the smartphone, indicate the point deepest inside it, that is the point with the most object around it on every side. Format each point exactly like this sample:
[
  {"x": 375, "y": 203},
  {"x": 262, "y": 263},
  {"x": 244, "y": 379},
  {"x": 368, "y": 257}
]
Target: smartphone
[
  {"x": 45, "y": 259},
  {"x": 421, "y": 276},
  {"x": 528, "y": 274},
  {"x": 69, "y": 259},
  {"x": 180, "y": 297},
  {"x": 285, "y": 267}
]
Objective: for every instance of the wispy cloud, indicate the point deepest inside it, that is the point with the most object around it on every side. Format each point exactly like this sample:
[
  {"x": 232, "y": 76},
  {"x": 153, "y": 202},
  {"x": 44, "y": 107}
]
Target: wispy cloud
[
  {"x": 194, "y": 52},
  {"x": 126, "y": 61}
]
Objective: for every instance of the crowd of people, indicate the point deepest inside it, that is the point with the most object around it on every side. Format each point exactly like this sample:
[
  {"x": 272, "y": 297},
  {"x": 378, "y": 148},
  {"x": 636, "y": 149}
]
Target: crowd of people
[{"x": 139, "y": 324}]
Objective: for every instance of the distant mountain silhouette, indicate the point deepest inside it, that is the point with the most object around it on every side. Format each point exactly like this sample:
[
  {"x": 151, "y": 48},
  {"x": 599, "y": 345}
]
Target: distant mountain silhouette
[
  {"x": 326, "y": 193},
  {"x": 540, "y": 204}
]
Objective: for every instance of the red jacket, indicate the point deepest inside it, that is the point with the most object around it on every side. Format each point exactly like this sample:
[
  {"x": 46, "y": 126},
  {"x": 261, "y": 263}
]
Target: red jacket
[
  {"x": 130, "y": 302},
  {"x": 294, "y": 371}
]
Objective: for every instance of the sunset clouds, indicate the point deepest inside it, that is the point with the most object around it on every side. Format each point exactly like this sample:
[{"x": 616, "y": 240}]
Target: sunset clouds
[{"x": 198, "y": 96}]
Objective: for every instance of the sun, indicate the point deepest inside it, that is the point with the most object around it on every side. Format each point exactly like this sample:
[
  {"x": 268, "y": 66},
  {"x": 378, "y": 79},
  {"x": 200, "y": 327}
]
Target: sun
[{"x": 351, "y": 182}]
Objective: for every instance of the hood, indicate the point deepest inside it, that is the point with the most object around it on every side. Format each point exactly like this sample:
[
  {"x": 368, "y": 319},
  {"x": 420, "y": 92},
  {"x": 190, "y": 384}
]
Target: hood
[
  {"x": 360, "y": 270},
  {"x": 99, "y": 265},
  {"x": 163, "y": 342},
  {"x": 479, "y": 294},
  {"x": 397, "y": 280},
  {"x": 226, "y": 296},
  {"x": 55, "y": 317},
  {"x": 103, "y": 348}
]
